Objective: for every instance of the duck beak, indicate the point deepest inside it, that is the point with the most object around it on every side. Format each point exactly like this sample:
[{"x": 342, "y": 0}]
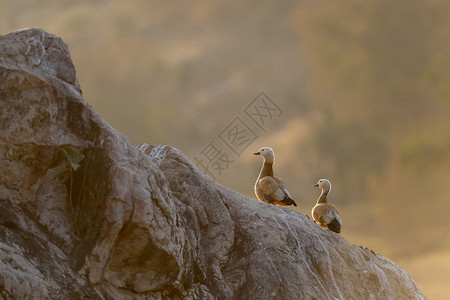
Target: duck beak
[
  {"x": 316, "y": 184},
  {"x": 257, "y": 153}
]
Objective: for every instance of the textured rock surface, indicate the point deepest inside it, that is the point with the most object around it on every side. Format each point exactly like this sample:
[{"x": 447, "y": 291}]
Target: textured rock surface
[{"x": 143, "y": 222}]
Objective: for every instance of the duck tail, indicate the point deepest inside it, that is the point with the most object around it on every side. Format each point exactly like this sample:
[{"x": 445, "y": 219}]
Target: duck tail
[
  {"x": 335, "y": 226},
  {"x": 289, "y": 201}
]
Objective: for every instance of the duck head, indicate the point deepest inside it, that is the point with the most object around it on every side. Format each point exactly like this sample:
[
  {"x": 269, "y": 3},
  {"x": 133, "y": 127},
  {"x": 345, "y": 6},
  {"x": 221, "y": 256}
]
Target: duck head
[
  {"x": 267, "y": 153},
  {"x": 324, "y": 184}
]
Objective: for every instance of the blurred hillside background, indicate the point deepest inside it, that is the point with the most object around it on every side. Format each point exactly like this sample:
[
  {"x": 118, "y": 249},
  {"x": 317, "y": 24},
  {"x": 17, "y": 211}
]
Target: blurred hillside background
[{"x": 364, "y": 89}]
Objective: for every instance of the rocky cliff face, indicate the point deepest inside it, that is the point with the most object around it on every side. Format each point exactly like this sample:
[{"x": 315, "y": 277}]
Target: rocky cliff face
[{"x": 85, "y": 214}]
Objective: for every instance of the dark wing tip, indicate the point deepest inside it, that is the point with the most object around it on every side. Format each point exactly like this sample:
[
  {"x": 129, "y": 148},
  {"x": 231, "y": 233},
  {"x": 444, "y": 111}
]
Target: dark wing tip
[
  {"x": 334, "y": 226},
  {"x": 289, "y": 201}
]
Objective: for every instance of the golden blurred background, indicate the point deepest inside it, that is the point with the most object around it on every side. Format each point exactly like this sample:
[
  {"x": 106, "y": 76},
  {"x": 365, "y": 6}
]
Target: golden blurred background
[{"x": 363, "y": 86}]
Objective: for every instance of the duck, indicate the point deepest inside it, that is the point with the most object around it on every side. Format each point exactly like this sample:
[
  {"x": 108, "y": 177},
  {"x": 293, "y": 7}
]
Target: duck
[
  {"x": 326, "y": 214},
  {"x": 269, "y": 188}
]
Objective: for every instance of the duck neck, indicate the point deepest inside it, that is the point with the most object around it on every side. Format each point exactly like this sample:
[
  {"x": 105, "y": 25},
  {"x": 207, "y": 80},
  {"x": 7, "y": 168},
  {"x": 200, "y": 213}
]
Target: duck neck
[
  {"x": 266, "y": 170},
  {"x": 323, "y": 197}
]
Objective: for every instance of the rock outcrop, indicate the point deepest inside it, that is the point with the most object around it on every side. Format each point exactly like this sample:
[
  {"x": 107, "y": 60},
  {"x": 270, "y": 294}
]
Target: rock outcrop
[{"x": 86, "y": 214}]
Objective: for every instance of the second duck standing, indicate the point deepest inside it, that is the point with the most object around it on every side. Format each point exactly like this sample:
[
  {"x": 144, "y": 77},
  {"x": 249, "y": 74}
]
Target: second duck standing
[
  {"x": 324, "y": 213},
  {"x": 269, "y": 188}
]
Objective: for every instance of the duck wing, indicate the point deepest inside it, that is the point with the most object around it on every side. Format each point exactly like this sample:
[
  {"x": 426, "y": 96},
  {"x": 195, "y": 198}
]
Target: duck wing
[
  {"x": 327, "y": 215},
  {"x": 274, "y": 190},
  {"x": 282, "y": 186}
]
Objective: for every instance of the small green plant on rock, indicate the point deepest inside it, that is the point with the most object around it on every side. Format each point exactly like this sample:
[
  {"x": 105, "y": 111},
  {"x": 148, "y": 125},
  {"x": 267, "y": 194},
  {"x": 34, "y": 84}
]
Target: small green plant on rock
[{"x": 73, "y": 163}]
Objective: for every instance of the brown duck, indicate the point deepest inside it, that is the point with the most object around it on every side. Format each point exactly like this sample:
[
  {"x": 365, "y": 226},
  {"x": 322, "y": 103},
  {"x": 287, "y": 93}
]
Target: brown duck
[
  {"x": 324, "y": 213},
  {"x": 268, "y": 188}
]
